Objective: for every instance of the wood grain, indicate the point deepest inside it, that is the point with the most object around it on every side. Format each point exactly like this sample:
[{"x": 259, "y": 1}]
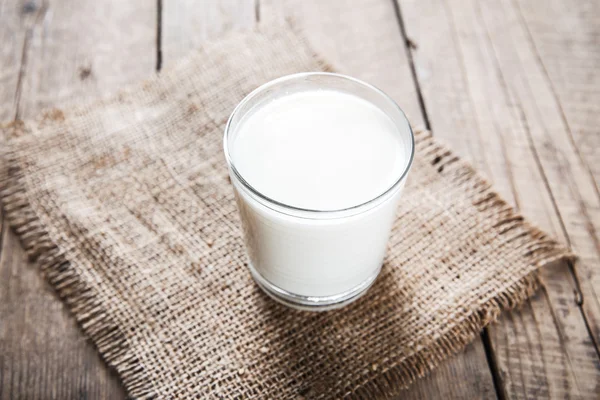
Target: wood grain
[
  {"x": 53, "y": 51},
  {"x": 565, "y": 57},
  {"x": 573, "y": 191},
  {"x": 565, "y": 38},
  {"x": 573, "y": 194},
  {"x": 187, "y": 23},
  {"x": 363, "y": 39},
  {"x": 544, "y": 349}
]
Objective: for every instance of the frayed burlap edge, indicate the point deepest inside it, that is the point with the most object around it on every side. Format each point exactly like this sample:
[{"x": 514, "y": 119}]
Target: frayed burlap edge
[{"x": 80, "y": 298}]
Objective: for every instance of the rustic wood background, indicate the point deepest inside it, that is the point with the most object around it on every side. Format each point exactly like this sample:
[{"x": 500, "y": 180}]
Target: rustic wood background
[{"x": 512, "y": 85}]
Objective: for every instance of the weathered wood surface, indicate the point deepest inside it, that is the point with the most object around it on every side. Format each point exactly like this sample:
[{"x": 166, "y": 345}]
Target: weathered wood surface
[
  {"x": 485, "y": 93},
  {"x": 187, "y": 23},
  {"x": 512, "y": 85}
]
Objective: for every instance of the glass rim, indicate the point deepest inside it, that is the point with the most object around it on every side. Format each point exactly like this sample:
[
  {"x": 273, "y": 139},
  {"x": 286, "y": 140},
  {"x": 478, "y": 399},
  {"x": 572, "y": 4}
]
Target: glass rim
[{"x": 355, "y": 208}]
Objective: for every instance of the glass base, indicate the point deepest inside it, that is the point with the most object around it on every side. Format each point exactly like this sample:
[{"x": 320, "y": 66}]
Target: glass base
[{"x": 312, "y": 303}]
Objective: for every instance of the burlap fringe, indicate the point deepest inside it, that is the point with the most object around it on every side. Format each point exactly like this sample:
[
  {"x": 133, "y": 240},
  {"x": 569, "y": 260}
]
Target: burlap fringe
[
  {"x": 80, "y": 298},
  {"x": 538, "y": 251},
  {"x": 111, "y": 342}
]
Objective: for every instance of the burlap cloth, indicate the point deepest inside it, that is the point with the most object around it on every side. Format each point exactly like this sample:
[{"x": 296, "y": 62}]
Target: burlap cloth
[{"x": 127, "y": 207}]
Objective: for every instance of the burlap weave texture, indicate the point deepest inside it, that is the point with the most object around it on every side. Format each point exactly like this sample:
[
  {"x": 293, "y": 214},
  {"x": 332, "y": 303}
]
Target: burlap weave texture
[{"x": 126, "y": 205}]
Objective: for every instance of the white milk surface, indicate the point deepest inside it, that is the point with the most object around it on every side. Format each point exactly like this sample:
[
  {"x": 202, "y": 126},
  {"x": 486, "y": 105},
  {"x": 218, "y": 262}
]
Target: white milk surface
[{"x": 318, "y": 150}]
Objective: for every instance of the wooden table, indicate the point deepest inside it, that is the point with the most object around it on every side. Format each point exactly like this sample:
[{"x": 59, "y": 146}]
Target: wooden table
[{"x": 512, "y": 85}]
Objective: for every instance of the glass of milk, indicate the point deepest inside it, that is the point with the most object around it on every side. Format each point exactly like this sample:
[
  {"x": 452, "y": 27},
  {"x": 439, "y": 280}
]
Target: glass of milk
[{"x": 317, "y": 162}]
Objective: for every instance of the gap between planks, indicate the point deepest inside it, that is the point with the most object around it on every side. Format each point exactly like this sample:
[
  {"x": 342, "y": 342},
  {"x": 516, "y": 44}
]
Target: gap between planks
[
  {"x": 159, "y": 8},
  {"x": 408, "y": 49}
]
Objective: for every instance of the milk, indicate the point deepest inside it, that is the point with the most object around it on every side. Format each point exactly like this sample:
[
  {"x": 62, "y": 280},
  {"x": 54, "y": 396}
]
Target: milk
[
  {"x": 320, "y": 182},
  {"x": 320, "y": 150}
]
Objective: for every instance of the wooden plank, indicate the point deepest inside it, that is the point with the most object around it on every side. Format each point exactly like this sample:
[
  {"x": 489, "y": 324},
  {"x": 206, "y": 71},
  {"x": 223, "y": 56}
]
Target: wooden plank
[
  {"x": 187, "y": 23},
  {"x": 363, "y": 39},
  {"x": 53, "y": 51},
  {"x": 544, "y": 348},
  {"x": 16, "y": 24},
  {"x": 565, "y": 37},
  {"x": 563, "y": 43},
  {"x": 566, "y": 177}
]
